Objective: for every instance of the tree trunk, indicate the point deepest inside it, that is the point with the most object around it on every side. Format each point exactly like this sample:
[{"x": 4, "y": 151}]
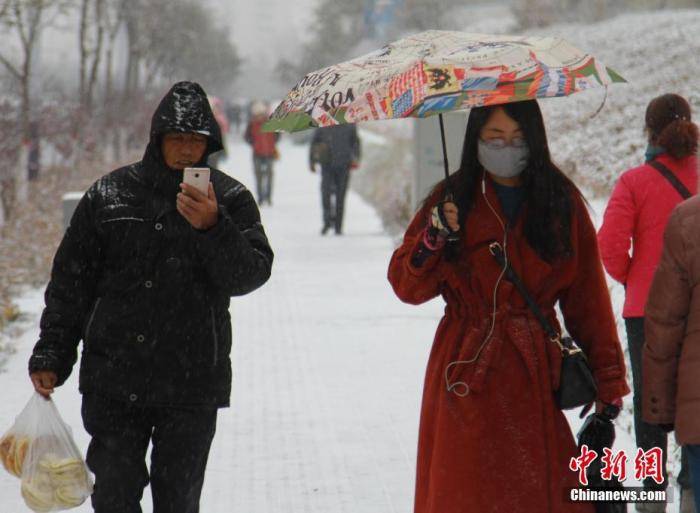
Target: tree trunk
[
  {"x": 25, "y": 123},
  {"x": 96, "y": 55},
  {"x": 83, "y": 49},
  {"x": 3, "y": 214}
]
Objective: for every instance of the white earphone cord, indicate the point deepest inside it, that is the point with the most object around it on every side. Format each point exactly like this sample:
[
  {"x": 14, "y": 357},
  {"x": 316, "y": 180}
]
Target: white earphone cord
[{"x": 452, "y": 387}]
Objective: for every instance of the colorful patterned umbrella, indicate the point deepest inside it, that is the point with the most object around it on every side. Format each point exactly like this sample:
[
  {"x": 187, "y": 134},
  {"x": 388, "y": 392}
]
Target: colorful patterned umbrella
[{"x": 435, "y": 72}]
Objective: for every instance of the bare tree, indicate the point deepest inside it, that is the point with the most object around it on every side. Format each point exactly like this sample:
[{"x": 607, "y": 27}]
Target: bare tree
[
  {"x": 200, "y": 51},
  {"x": 24, "y": 18},
  {"x": 92, "y": 28},
  {"x": 114, "y": 15},
  {"x": 133, "y": 18},
  {"x": 338, "y": 27},
  {"x": 4, "y": 8}
]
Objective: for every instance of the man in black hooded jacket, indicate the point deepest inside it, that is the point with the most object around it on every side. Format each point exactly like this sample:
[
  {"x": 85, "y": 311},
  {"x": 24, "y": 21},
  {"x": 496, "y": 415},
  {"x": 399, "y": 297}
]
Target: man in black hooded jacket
[{"x": 144, "y": 276}]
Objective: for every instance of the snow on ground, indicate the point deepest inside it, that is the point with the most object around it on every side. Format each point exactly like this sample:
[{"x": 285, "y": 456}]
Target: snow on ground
[{"x": 328, "y": 369}]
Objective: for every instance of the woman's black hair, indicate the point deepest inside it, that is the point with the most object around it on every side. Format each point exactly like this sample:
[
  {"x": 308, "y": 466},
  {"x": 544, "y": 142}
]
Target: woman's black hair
[{"x": 549, "y": 192}]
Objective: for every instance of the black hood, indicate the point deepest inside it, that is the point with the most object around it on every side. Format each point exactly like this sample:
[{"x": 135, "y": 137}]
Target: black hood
[{"x": 185, "y": 108}]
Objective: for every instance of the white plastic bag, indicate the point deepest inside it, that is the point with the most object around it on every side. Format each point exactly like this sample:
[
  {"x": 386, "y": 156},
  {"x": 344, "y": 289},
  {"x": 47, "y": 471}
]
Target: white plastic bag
[{"x": 39, "y": 449}]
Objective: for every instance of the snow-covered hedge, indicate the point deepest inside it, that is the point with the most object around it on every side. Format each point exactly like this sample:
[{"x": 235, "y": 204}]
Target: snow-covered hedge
[{"x": 657, "y": 53}]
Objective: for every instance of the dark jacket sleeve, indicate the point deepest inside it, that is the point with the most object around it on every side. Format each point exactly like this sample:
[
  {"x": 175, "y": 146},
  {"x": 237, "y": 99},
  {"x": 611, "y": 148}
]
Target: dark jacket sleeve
[
  {"x": 69, "y": 295},
  {"x": 236, "y": 253},
  {"x": 665, "y": 320},
  {"x": 313, "y": 147},
  {"x": 248, "y": 136},
  {"x": 415, "y": 275}
]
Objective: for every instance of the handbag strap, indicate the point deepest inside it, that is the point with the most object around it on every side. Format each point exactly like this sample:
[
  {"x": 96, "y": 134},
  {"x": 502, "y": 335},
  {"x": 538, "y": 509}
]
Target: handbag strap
[
  {"x": 498, "y": 253},
  {"x": 668, "y": 174}
]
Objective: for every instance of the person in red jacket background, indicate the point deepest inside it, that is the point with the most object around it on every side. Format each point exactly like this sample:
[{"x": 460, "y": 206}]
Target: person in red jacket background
[
  {"x": 636, "y": 215},
  {"x": 264, "y": 151}
]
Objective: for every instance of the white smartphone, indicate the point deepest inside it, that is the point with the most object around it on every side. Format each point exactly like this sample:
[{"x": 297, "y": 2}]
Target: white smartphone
[{"x": 197, "y": 177}]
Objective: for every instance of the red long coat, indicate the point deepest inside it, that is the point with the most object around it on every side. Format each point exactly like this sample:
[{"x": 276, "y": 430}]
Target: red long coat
[{"x": 505, "y": 447}]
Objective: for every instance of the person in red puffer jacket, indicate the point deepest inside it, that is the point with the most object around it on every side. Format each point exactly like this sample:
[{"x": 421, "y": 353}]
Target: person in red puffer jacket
[{"x": 636, "y": 216}]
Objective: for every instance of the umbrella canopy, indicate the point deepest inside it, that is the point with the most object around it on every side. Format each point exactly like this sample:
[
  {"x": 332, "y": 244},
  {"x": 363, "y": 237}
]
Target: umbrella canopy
[{"x": 439, "y": 71}]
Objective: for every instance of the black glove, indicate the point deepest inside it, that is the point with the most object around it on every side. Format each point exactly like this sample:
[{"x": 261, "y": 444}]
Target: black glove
[{"x": 610, "y": 411}]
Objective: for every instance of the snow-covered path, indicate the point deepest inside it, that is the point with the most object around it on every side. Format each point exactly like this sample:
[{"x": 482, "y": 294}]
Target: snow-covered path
[{"x": 328, "y": 369}]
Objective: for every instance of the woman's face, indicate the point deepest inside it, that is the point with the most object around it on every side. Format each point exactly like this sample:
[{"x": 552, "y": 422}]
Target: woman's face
[{"x": 501, "y": 128}]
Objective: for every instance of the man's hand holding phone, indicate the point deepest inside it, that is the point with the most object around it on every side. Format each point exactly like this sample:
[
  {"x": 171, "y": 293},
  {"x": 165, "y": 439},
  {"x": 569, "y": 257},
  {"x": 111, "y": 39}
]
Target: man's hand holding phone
[{"x": 201, "y": 210}]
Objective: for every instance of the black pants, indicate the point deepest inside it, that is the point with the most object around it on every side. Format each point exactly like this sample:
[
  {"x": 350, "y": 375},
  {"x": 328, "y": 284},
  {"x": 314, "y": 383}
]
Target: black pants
[
  {"x": 648, "y": 435},
  {"x": 121, "y": 433},
  {"x": 263, "y": 178},
  {"x": 334, "y": 186}
]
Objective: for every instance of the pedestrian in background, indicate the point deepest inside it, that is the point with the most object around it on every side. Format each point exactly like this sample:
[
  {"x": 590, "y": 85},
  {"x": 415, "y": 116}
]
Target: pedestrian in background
[
  {"x": 265, "y": 152},
  {"x": 234, "y": 114},
  {"x": 636, "y": 215},
  {"x": 337, "y": 150}
]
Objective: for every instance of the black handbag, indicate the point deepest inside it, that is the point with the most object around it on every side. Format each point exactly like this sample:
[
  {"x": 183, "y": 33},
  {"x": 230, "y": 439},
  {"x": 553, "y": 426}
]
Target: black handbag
[{"x": 576, "y": 384}]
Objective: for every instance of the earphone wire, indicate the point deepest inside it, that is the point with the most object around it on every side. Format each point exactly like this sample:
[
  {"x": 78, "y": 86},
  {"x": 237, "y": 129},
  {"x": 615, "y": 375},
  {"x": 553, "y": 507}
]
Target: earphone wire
[{"x": 452, "y": 387}]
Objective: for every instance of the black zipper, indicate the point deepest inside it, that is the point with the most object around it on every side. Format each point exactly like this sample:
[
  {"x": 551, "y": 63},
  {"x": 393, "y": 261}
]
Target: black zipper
[
  {"x": 89, "y": 323},
  {"x": 216, "y": 337}
]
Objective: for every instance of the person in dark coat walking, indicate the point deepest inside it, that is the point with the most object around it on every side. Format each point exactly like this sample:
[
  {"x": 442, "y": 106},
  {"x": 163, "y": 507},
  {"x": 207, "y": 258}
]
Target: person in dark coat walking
[
  {"x": 635, "y": 217},
  {"x": 337, "y": 150},
  {"x": 144, "y": 276}
]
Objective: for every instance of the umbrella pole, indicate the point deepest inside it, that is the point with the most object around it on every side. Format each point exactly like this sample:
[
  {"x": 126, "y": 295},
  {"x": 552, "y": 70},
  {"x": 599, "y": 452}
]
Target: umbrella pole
[
  {"x": 448, "y": 189},
  {"x": 452, "y": 238}
]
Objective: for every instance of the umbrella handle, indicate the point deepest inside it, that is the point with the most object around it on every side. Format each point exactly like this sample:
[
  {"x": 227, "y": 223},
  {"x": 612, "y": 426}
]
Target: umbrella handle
[
  {"x": 444, "y": 155},
  {"x": 451, "y": 236}
]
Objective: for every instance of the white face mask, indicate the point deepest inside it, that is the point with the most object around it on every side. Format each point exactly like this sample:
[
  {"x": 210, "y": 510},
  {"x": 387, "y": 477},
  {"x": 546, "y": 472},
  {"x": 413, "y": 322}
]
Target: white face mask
[{"x": 504, "y": 161}]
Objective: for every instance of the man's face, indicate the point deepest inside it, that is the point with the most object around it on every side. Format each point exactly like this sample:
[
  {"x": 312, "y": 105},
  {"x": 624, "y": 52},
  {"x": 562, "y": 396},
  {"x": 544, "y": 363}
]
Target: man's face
[{"x": 181, "y": 150}]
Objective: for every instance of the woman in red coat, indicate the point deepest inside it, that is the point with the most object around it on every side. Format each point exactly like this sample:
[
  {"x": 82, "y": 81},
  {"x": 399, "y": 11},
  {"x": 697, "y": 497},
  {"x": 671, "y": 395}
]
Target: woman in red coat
[
  {"x": 636, "y": 215},
  {"x": 491, "y": 437}
]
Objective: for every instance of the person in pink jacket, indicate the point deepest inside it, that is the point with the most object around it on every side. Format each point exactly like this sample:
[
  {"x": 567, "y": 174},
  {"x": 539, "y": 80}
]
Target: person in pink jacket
[{"x": 636, "y": 216}]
